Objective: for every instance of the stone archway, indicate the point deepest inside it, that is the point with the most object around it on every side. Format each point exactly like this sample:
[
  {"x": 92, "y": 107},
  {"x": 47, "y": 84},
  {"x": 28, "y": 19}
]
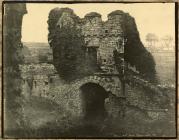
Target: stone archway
[{"x": 93, "y": 98}]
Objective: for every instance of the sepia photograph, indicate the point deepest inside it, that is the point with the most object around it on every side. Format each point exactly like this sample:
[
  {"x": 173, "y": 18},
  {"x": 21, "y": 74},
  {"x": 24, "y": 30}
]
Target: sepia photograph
[{"x": 89, "y": 70}]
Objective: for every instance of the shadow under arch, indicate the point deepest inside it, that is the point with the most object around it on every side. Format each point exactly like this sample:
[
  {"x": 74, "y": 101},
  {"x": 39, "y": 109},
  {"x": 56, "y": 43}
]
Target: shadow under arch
[{"x": 93, "y": 98}]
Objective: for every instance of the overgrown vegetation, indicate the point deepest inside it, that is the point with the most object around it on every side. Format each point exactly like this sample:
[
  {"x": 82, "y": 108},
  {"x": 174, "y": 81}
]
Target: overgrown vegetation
[
  {"x": 68, "y": 39},
  {"x": 69, "y": 52},
  {"x": 135, "y": 52},
  {"x": 68, "y": 44}
]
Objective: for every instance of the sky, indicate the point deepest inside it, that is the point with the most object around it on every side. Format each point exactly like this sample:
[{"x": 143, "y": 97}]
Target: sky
[{"x": 157, "y": 18}]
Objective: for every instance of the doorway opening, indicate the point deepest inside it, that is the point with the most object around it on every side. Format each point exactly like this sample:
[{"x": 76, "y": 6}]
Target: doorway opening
[{"x": 93, "y": 98}]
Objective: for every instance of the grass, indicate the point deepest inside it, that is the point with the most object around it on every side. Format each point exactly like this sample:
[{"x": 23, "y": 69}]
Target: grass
[{"x": 47, "y": 119}]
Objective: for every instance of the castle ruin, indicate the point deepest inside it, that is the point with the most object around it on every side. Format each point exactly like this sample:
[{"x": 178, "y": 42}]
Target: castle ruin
[{"x": 92, "y": 43}]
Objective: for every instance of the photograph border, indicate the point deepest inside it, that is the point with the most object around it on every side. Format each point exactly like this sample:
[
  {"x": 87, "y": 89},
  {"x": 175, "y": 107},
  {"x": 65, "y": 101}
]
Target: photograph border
[{"x": 99, "y": 1}]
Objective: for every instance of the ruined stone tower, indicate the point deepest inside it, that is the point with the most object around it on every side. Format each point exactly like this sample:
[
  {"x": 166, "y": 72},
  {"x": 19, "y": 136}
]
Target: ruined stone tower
[
  {"x": 100, "y": 39},
  {"x": 83, "y": 48}
]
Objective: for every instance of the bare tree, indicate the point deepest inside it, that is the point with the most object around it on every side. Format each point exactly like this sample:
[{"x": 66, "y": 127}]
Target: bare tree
[
  {"x": 167, "y": 41},
  {"x": 151, "y": 39}
]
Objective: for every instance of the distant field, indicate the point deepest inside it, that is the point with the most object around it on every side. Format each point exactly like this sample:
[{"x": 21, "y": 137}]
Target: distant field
[{"x": 35, "y": 44}]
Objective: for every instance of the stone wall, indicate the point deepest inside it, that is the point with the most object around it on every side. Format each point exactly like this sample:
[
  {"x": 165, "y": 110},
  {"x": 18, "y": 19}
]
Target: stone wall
[
  {"x": 38, "y": 82},
  {"x": 104, "y": 37},
  {"x": 12, "y": 57},
  {"x": 36, "y": 79},
  {"x": 67, "y": 94}
]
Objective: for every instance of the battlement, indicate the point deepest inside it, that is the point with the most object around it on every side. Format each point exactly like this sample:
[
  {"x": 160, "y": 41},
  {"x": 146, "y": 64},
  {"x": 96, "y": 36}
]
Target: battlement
[
  {"x": 116, "y": 12},
  {"x": 93, "y": 14},
  {"x": 101, "y": 38}
]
